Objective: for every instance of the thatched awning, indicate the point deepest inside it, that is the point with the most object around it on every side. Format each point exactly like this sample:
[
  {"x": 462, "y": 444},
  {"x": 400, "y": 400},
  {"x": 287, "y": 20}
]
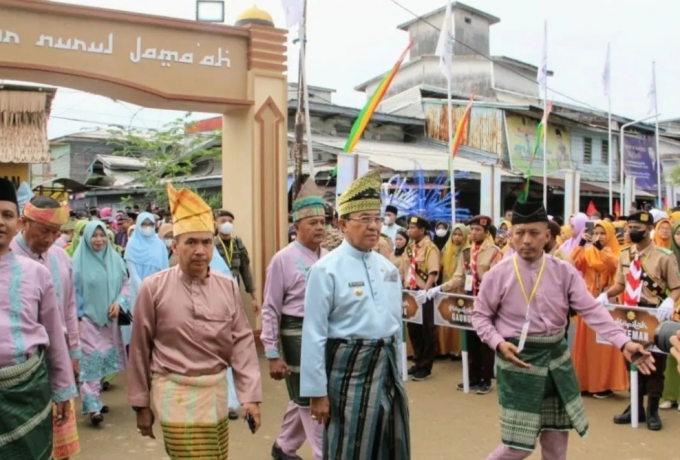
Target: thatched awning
[{"x": 23, "y": 127}]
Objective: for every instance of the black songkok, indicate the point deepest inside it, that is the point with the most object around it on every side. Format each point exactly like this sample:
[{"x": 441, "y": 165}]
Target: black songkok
[
  {"x": 392, "y": 209},
  {"x": 8, "y": 192},
  {"x": 529, "y": 213},
  {"x": 643, "y": 217}
]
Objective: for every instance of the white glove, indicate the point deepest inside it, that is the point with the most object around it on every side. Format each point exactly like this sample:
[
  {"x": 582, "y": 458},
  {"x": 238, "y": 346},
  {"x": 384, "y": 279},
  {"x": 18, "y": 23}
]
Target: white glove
[
  {"x": 432, "y": 293},
  {"x": 664, "y": 312},
  {"x": 603, "y": 299},
  {"x": 421, "y": 297}
]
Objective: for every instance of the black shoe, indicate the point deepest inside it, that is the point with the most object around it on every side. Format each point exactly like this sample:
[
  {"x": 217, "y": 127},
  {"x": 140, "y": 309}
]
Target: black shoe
[
  {"x": 456, "y": 358},
  {"x": 625, "y": 417},
  {"x": 106, "y": 386},
  {"x": 653, "y": 419},
  {"x": 278, "y": 454},
  {"x": 421, "y": 375},
  {"x": 473, "y": 386},
  {"x": 233, "y": 415},
  {"x": 603, "y": 394},
  {"x": 96, "y": 418},
  {"x": 412, "y": 370},
  {"x": 483, "y": 388},
  {"x": 104, "y": 410}
]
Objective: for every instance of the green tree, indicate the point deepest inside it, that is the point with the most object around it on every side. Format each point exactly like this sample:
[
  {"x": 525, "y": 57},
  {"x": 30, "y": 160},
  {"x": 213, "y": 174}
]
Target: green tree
[
  {"x": 167, "y": 153},
  {"x": 674, "y": 175}
]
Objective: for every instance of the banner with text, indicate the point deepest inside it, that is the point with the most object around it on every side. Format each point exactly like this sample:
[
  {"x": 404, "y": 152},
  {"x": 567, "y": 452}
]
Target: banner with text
[
  {"x": 412, "y": 311},
  {"x": 521, "y": 134},
  {"x": 454, "y": 310},
  {"x": 639, "y": 323},
  {"x": 639, "y": 159}
]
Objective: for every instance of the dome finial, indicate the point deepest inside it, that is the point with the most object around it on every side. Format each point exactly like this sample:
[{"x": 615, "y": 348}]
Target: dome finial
[{"x": 254, "y": 15}]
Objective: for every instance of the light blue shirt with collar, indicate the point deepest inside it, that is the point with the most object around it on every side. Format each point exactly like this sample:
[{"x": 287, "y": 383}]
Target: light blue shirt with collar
[{"x": 350, "y": 295}]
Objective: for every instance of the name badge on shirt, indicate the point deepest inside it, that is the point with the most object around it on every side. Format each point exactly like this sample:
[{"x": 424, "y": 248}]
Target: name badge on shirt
[
  {"x": 525, "y": 332},
  {"x": 356, "y": 284},
  {"x": 468, "y": 282}
]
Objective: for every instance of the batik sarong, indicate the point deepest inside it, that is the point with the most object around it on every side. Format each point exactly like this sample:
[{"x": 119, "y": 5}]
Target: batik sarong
[
  {"x": 543, "y": 397},
  {"x": 26, "y": 411},
  {"x": 291, "y": 348},
  {"x": 193, "y": 415},
  {"x": 369, "y": 416},
  {"x": 66, "y": 442}
]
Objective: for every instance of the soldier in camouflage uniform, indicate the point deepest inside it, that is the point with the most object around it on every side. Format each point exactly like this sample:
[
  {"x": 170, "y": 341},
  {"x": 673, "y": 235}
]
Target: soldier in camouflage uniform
[
  {"x": 235, "y": 254},
  {"x": 333, "y": 235}
]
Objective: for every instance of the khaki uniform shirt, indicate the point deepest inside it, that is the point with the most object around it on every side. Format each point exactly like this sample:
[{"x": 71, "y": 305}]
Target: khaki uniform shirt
[
  {"x": 488, "y": 256},
  {"x": 384, "y": 246},
  {"x": 427, "y": 262},
  {"x": 557, "y": 253},
  {"x": 661, "y": 267}
]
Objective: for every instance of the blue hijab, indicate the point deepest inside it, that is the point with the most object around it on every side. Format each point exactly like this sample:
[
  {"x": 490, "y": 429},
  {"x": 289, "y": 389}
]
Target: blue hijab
[
  {"x": 219, "y": 265},
  {"x": 99, "y": 275},
  {"x": 148, "y": 253}
]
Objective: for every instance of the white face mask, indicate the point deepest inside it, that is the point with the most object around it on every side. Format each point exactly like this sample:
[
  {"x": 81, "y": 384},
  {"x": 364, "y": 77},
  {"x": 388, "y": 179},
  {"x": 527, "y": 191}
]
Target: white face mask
[
  {"x": 388, "y": 220},
  {"x": 226, "y": 228},
  {"x": 146, "y": 231},
  {"x": 168, "y": 242},
  {"x": 66, "y": 237},
  {"x": 440, "y": 232}
]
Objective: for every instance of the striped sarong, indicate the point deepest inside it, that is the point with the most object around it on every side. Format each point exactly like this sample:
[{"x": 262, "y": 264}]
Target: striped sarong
[
  {"x": 66, "y": 441},
  {"x": 193, "y": 414},
  {"x": 369, "y": 418},
  {"x": 26, "y": 408},
  {"x": 291, "y": 348},
  {"x": 543, "y": 397}
]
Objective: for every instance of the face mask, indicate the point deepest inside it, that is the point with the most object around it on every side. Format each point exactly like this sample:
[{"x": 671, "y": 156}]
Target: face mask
[
  {"x": 226, "y": 228},
  {"x": 66, "y": 238},
  {"x": 440, "y": 232},
  {"x": 636, "y": 236},
  {"x": 388, "y": 220},
  {"x": 168, "y": 242},
  {"x": 146, "y": 231}
]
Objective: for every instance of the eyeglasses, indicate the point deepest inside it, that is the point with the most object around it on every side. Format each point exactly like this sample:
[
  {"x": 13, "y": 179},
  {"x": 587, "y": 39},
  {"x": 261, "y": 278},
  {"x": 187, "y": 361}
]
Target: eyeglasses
[{"x": 367, "y": 220}]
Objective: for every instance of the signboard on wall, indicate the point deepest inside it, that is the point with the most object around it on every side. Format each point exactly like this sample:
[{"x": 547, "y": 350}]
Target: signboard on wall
[
  {"x": 521, "y": 133},
  {"x": 15, "y": 172},
  {"x": 639, "y": 154}
]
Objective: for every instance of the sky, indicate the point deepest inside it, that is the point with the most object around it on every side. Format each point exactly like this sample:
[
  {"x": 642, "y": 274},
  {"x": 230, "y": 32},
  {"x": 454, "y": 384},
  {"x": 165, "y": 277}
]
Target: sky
[{"x": 351, "y": 41}]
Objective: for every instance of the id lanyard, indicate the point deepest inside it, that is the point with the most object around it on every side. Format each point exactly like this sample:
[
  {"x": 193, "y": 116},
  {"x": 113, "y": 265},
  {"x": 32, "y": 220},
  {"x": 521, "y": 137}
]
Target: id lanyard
[
  {"x": 525, "y": 327},
  {"x": 228, "y": 255}
]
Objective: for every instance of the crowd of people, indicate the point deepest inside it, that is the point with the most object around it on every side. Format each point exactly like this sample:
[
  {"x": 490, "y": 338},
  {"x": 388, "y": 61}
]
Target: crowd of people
[{"x": 157, "y": 293}]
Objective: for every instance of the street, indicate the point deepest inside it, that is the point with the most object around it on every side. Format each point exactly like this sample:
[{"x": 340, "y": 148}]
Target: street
[{"x": 445, "y": 424}]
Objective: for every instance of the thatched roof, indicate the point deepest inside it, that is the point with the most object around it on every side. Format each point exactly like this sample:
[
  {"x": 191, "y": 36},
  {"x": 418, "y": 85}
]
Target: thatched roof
[{"x": 23, "y": 125}]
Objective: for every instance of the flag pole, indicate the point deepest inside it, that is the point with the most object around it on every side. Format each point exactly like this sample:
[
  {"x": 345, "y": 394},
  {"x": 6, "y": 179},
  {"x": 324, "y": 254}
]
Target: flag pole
[
  {"x": 545, "y": 121},
  {"x": 609, "y": 132},
  {"x": 303, "y": 80},
  {"x": 656, "y": 139}
]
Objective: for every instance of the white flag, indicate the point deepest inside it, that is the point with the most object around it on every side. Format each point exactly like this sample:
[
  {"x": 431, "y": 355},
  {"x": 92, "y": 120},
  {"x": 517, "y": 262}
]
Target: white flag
[
  {"x": 445, "y": 44},
  {"x": 542, "y": 76},
  {"x": 295, "y": 10},
  {"x": 652, "y": 93},
  {"x": 606, "y": 76}
]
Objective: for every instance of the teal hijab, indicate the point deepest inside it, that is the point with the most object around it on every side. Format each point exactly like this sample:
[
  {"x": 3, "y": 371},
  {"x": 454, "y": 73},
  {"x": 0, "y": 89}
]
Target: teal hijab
[{"x": 99, "y": 275}]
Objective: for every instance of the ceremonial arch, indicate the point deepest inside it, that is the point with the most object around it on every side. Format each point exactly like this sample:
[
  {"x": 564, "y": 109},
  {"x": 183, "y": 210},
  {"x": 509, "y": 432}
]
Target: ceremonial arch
[{"x": 172, "y": 64}]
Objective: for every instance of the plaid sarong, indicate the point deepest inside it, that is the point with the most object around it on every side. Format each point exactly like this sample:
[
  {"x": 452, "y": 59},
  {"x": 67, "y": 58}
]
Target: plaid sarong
[
  {"x": 193, "y": 414},
  {"x": 291, "y": 348},
  {"x": 544, "y": 397},
  {"x": 369, "y": 416},
  {"x": 26, "y": 408}
]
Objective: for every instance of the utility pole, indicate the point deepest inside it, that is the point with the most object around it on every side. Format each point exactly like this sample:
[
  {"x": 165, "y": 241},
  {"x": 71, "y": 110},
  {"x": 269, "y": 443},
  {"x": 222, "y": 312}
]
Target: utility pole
[{"x": 300, "y": 114}]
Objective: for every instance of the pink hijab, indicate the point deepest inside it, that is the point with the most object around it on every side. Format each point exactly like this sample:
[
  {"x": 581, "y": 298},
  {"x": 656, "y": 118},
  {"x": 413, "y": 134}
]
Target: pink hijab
[{"x": 579, "y": 223}]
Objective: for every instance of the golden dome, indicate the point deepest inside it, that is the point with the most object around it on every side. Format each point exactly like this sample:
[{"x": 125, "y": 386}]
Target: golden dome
[{"x": 254, "y": 15}]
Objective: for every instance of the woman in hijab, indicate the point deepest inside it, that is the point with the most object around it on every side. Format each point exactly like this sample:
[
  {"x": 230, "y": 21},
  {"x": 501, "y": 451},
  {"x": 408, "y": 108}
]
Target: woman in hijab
[
  {"x": 165, "y": 234},
  {"x": 449, "y": 338},
  {"x": 577, "y": 224},
  {"x": 145, "y": 255},
  {"x": 663, "y": 233},
  {"x": 112, "y": 239},
  {"x": 102, "y": 292},
  {"x": 77, "y": 235},
  {"x": 599, "y": 367},
  {"x": 671, "y": 386},
  {"x": 441, "y": 234}
]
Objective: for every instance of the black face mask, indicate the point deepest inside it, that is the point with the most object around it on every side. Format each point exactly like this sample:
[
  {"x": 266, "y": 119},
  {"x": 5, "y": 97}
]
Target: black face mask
[{"x": 636, "y": 236}]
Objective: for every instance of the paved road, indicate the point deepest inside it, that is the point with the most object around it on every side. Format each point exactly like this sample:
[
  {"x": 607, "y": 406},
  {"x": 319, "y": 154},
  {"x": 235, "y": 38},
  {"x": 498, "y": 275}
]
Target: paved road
[{"x": 446, "y": 424}]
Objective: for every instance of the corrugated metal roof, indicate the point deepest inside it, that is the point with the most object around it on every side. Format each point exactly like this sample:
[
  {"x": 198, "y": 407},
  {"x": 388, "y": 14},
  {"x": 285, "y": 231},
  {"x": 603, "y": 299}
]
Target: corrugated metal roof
[
  {"x": 119, "y": 162},
  {"x": 408, "y": 103},
  {"x": 400, "y": 157}
]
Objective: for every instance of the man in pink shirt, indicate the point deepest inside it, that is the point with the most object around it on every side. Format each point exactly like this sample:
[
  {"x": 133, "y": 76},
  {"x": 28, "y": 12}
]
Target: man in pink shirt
[
  {"x": 282, "y": 313},
  {"x": 521, "y": 312}
]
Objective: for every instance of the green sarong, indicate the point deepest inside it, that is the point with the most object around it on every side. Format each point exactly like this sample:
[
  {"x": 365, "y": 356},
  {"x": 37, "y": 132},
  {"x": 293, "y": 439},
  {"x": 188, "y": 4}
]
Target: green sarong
[
  {"x": 291, "y": 349},
  {"x": 26, "y": 407},
  {"x": 544, "y": 397}
]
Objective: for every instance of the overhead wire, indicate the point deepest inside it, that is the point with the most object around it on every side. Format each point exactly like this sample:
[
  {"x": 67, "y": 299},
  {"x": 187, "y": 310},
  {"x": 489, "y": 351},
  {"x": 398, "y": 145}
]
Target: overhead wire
[{"x": 489, "y": 58}]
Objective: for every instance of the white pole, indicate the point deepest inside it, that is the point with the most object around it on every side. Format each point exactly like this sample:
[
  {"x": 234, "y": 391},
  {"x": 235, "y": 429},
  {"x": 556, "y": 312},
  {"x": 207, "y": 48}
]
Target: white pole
[
  {"x": 611, "y": 161},
  {"x": 622, "y": 159},
  {"x": 656, "y": 140},
  {"x": 303, "y": 82},
  {"x": 545, "y": 121},
  {"x": 451, "y": 168},
  {"x": 634, "y": 398}
]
